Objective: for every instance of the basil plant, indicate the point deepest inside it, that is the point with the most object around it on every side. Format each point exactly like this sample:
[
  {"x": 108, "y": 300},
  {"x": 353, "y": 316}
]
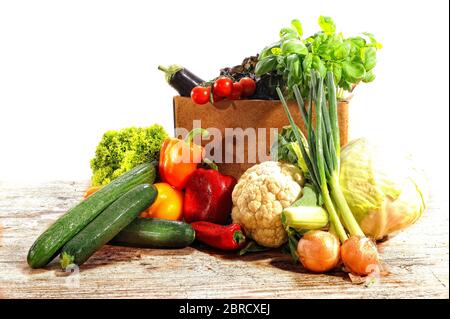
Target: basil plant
[{"x": 352, "y": 60}]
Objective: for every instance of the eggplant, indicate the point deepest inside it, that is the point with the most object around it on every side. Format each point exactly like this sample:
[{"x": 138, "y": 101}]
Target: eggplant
[{"x": 181, "y": 79}]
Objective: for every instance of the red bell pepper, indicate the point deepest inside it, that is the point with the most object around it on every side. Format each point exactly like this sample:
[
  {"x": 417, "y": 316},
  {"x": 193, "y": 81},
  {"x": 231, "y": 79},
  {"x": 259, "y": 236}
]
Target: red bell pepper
[
  {"x": 229, "y": 237},
  {"x": 208, "y": 196}
]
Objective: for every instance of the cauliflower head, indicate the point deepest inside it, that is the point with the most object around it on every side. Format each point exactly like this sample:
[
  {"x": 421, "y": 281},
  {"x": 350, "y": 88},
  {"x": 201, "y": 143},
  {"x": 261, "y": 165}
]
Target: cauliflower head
[{"x": 259, "y": 198}]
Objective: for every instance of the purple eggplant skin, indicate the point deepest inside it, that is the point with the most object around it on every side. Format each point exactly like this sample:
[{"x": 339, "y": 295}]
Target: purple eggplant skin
[{"x": 181, "y": 79}]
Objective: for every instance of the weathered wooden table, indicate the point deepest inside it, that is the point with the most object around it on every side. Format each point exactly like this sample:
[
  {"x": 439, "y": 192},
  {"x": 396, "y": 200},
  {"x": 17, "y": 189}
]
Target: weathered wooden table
[{"x": 417, "y": 258}]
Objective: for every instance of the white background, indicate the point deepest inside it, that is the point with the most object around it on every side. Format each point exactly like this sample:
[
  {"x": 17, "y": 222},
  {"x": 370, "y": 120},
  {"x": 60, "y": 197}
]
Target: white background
[{"x": 70, "y": 70}]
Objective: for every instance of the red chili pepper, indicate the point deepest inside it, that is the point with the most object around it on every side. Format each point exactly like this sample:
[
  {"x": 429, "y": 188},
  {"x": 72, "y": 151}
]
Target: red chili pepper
[
  {"x": 229, "y": 237},
  {"x": 208, "y": 196}
]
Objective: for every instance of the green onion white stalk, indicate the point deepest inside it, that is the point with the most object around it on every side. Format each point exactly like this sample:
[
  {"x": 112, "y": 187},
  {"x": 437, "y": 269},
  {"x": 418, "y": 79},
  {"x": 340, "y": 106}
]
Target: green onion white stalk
[{"x": 322, "y": 157}]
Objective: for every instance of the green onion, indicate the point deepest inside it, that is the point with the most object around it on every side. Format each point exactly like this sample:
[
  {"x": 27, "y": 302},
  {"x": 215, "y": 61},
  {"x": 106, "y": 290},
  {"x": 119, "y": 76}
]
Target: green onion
[{"x": 323, "y": 158}]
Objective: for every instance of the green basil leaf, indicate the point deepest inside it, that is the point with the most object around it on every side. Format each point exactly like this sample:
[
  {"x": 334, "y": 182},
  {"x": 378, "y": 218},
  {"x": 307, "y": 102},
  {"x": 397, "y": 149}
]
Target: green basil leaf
[
  {"x": 267, "y": 51},
  {"x": 298, "y": 27},
  {"x": 321, "y": 37},
  {"x": 319, "y": 66},
  {"x": 353, "y": 72},
  {"x": 318, "y": 40},
  {"x": 358, "y": 41},
  {"x": 266, "y": 65},
  {"x": 293, "y": 46},
  {"x": 369, "y": 77},
  {"x": 356, "y": 58},
  {"x": 282, "y": 70},
  {"x": 337, "y": 72},
  {"x": 325, "y": 51},
  {"x": 291, "y": 80},
  {"x": 342, "y": 51},
  {"x": 345, "y": 85},
  {"x": 307, "y": 62},
  {"x": 369, "y": 57},
  {"x": 371, "y": 39},
  {"x": 281, "y": 60},
  {"x": 327, "y": 25},
  {"x": 306, "y": 66},
  {"x": 293, "y": 64},
  {"x": 276, "y": 51},
  {"x": 288, "y": 33},
  {"x": 310, "y": 40}
]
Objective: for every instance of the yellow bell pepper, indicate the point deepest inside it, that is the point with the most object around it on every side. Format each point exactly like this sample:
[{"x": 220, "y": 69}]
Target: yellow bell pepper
[{"x": 168, "y": 204}]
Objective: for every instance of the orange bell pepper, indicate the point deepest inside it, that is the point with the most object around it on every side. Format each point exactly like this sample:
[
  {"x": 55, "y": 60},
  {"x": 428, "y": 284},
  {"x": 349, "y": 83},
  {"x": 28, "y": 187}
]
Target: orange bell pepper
[
  {"x": 168, "y": 204},
  {"x": 179, "y": 159}
]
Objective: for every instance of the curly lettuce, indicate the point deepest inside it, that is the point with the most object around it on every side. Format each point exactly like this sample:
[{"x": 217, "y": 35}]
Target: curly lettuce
[{"x": 119, "y": 151}]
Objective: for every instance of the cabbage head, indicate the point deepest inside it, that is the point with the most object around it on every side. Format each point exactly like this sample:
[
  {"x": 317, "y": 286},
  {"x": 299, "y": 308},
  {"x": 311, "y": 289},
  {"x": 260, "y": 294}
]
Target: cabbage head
[{"x": 385, "y": 193}]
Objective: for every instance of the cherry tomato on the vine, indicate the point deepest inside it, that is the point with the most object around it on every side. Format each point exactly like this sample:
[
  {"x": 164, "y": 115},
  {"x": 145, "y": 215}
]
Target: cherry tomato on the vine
[
  {"x": 216, "y": 98},
  {"x": 236, "y": 92},
  {"x": 223, "y": 86},
  {"x": 200, "y": 95},
  {"x": 248, "y": 86}
]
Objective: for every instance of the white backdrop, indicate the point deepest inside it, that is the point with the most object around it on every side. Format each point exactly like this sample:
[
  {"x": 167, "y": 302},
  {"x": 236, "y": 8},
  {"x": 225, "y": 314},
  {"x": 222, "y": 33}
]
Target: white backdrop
[{"x": 69, "y": 70}]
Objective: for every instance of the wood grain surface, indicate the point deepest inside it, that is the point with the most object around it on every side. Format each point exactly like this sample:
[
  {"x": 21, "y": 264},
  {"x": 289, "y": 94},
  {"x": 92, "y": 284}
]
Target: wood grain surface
[{"x": 417, "y": 260}]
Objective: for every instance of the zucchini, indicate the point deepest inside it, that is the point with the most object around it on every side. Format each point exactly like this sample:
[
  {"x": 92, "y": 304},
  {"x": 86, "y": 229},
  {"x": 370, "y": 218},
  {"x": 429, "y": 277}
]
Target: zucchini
[
  {"x": 107, "y": 225},
  {"x": 48, "y": 245},
  {"x": 156, "y": 233}
]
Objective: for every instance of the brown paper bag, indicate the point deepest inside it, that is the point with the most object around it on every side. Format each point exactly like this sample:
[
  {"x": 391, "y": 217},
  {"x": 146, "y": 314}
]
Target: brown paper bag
[{"x": 254, "y": 114}]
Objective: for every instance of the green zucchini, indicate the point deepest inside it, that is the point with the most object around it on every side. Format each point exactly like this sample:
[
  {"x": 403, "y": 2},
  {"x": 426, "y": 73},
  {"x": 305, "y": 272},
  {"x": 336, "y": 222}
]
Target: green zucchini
[
  {"x": 107, "y": 225},
  {"x": 156, "y": 233},
  {"x": 48, "y": 245}
]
